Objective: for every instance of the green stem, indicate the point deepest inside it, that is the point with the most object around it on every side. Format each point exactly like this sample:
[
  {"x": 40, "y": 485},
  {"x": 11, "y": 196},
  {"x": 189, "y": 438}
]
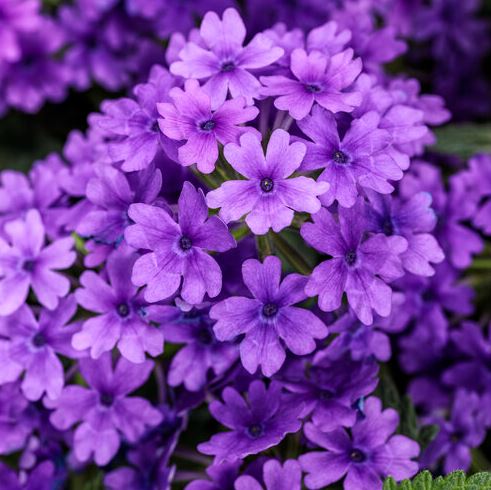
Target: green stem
[
  {"x": 481, "y": 264},
  {"x": 291, "y": 255},
  {"x": 240, "y": 232},
  {"x": 264, "y": 246}
]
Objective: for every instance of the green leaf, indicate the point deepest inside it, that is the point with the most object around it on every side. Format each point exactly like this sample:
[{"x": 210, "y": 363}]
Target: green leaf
[
  {"x": 453, "y": 481},
  {"x": 463, "y": 140}
]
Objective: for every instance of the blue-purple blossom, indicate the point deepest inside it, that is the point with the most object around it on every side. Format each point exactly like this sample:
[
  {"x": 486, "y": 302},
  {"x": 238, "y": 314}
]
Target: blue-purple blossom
[
  {"x": 178, "y": 249},
  {"x": 275, "y": 476},
  {"x": 269, "y": 321},
  {"x": 268, "y": 197}
]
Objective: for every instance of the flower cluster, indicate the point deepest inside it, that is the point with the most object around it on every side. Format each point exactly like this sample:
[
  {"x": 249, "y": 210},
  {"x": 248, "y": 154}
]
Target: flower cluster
[{"x": 247, "y": 234}]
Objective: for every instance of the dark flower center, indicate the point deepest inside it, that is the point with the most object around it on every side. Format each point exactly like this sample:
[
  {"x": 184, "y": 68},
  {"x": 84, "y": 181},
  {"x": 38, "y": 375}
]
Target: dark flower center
[
  {"x": 255, "y": 430},
  {"x": 350, "y": 257},
  {"x": 123, "y": 310},
  {"x": 326, "y": 394},
  {"x": 28, "y": 265},
  {"x": 388, "y": 227},
  {"x": 267, "y": 184},
  {"x": 228, "y": 66},
  {"x": 357, "y": 456},
  {"x": 313, "y": 88},
  {"x": 270, "y": 310},
  {"x": 185, "y": 243},
  {"x": 39, "y": 340},
  {"x": 340, "y": 157},
  {"x": 106, "y": 399},
  {"x": 207, "y": 125},
  {"x": 205, "y": 336}
]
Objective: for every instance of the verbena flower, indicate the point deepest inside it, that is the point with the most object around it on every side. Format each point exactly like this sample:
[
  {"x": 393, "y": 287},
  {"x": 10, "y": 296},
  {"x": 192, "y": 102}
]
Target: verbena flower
[
  {"x": 190, "y": 118},
  {"x": 275, "y": 477},
  {"x": 268, "y": 321},
  {"x": 178, "y": 249},
  {"x": 26, "y": 262},
  {"x": 268, "y": 197},
  {"x": 255, "y": 426}
]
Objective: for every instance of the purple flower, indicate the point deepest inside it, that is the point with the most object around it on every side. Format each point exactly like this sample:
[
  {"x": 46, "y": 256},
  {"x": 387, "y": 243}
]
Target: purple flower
[
  {"x": 111, "y": 193},
  {"x": 177, "y": 250},
  {"x": 16, "y": 16},
  {"x": 359, "y": 268},
  {"x": 329, "y": 38},
  {"x": 105, "y": 411},
  {"x": 268, "y": 319},
  {"x": 25, "y": 262},
  {"x": 256, "y": 425},
  {"x": 268, "y": 197},
  {"x": 465, "y": 430},
  {"x": 223, "y": 477},
  {"x": 412, "y": 219},
  {"x": 40, "y": 478},
  {"x": 192, "y": 119},
  {"x": 201, "y": 353},
  {"x": 318, "y": 78},
  {"x": 133, "y": 123},
  {"x": 275, "y": 476},
  {"x": 360, "y": 159},
  {"x": 33, "y": 345},
  {"x": 366, "y": 458},
  {"x": 331, "y": 387},
  {"x": 223, "y": 61},
  {"x": 479, "y": 179},
  {"x": 122, "y": 313}
]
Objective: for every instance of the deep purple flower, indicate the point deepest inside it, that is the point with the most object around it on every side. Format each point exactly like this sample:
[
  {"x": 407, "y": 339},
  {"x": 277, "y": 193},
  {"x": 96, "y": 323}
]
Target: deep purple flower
[
  {"x": 202, "y": 352},
  {"x": 133, "y": 123},
  {"x": 178, "y": 249},
  {"x": 40, "y": 478},
  {"x": 275, "y": 476},
  {"x": 331, "y": 387},
  {"x": 268, "y": 196},
  {"x": 269, "y": 320},
  {"x": 318, "y": 78},
  {"x": 122, "y": 313},
  {"x": 105, "y": 411},
  {"x": 465, "y": 430},
  {"x": 25, "y": 262},
  {"x": 224, "y": 62},
  {"x": 359, "y": 268},
  {"x": 111, "y": 193},
  {"x": 190, "y": 118},
  {"x": 32, "y": 346},
  {"x": 223, "y": 477},
  {"x": 412, "y": 219},
  {"x": 366, "y": 458},
  {"x": 360, "y": 158},
  {"x": 256, "y": 425},
  {"x": 479, "y": 179},
  {"x": 16, "y": 16}
]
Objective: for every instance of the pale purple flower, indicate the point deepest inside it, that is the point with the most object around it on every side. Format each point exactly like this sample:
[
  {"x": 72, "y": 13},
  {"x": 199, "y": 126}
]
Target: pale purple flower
[
  {"x": 319, "y": 78},
  {"x": 224, "y": 62},
  {"x": 268, "y": 196},
  {"x": 255, "y": 425},
  {"x": 269, "y": 320},
  {"x": 177, "y": 250},
  {"x": 361, "y": 268},
  {"x": 122, "y": 320},
  {"x": 329, "y": 38},
  {"x": 360, "y": 158},
  {"x": 191, "y": 119},
  {"x": 26, "y": 262},
  {"x": 32, "y": 346},
  {"x": 366, "y": 458},
  {"x": 103, "y": 412},
  {"x": 276, "y": 477}
]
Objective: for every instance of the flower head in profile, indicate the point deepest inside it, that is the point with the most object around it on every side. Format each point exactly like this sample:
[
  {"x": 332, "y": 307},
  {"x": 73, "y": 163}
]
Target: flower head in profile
[
  {"x": 122, "y": 318},
  {"x": 366, "y": 458},
  {"x": 223, "y": 61},
  {"x": 360, "y": 267},
  {"x": 178, "y": 249},
  {"x": 190, "y": 118},
  {"x": 267, "y": 196},
  {"x": 319, "y": 78},
  {"x": 256, "y": 425},
  {"x": 103, "y": 412},
  {"x": 26, "y": 262},
  {"x": 268, "y": 321},
  {"x": 31, "y": 346}
]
